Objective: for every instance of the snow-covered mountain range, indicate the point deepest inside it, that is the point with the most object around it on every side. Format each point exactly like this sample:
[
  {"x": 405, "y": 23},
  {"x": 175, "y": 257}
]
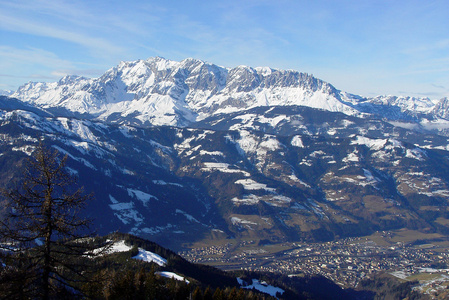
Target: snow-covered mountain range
[
  {"x": 158, "y": 91},
  {"x": 244, "y": 152}
]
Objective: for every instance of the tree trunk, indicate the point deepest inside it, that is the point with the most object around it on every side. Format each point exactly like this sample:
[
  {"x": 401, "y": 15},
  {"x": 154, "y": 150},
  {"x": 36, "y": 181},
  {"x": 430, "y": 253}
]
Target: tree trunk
[{"x": 47, "y": 249}]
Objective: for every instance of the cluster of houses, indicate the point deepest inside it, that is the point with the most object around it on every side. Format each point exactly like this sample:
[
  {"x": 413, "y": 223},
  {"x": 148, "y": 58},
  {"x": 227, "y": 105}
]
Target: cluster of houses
[{"x": 345, "y": 261}]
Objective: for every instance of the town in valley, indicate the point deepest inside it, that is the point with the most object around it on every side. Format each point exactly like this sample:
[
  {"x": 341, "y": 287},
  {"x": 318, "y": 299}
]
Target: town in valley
[{"x": 406, "y": 255}]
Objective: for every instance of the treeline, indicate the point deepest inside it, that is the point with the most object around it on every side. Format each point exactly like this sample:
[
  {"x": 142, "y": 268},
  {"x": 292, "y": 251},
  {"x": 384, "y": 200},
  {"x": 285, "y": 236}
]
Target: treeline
[
  {"x": 148, "y": 285},
  {"x": 385, "y": 287},
  {"x": 118, "y": 276}
]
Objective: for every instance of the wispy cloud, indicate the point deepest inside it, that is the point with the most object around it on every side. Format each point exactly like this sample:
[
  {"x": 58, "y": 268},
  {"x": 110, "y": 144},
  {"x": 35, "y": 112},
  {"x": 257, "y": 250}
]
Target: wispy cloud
[
  {"x": 32, "y": 64},
  {"x": 438, "y": 86},
  {"x": 31, "y": 56},
  {"x": 35, "y": 28}
]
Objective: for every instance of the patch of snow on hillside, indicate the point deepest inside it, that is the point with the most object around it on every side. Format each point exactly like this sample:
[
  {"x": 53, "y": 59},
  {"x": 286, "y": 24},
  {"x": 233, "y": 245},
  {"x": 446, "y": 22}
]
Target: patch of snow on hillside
[
  {"x": 370, "y": 177},
  {"x": 162, "y": 182},
  {"x": 306, "y": 162},
  {"x": 64, "y": 123},
  {"x": 248, "y": 142},
  {"x": 273, "y": 121},
  {"x": 175, "y": 276},
  {"x": 28, "y": 150},
  {"x": 141, "y": 196},
  {"x": 245, "y": 118},
  {"x": 416, "y": 153},
  {"x": 121, "y": 246},
  {"x": 400, "y": 274},
  {"x": 394, "y": 144},
  {"x": 249, "y": 184},
  {"x": 149, "y": 256},
  {"x": 441, "y": 193},
  {"x": 316, "y": 208},
  {"x": 247, "y": 200},
  {"x": 155, "y": 144},
  {"x": 122, "y": 206},
  {"x": 118, "y": 246},
  {"x": 332, "y": 131},
  {"x": 80, "y": 129},
  {"x": 314, "y": 154},
  {"x": 347, "y": 123},
  {"x": 222, "y": 167},
  {"x": 270, "y": 143},
  {"x": 373, "y": 144},
  {"x": 352, "y": 157},
  {"x": 235, "y": 221},
  {"x": 82, "y": 160},
  {"x": 297, "y": 141},
  {"x": 82, "y": 147},
  {"x": 125, "y": 211},
  {"x": 85, "y": 148},
  {"x": 113, "y": 200},
  {"x": 152, "y": 230},
  {"x": 294, "y": 178},
  {"x": 216, "y": 153},
  {"x": 261, "y": 286},
  {"x": 127, "y": 172},
  {"x": 185, "y": 145},
  {"x": 71, "y": 171},
  {"x": 280, "y": 199},
  {"x": 125, "y": 130},
  {"x": 189, "y": 217}
]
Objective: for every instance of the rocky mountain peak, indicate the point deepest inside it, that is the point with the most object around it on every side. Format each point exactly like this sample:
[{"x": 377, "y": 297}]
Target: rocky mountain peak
[
  {"x": 441, "y": 109},
  {"x": 159, "y": 91}
]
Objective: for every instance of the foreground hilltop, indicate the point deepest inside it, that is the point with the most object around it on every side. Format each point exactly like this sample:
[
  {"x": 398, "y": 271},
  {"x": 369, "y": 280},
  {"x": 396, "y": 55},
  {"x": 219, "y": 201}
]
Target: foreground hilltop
[{"x": 134, "y": 268}]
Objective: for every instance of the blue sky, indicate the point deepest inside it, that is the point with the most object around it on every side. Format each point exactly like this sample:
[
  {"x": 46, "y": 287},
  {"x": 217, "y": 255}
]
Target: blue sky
[{"x": 362, "y": 47}]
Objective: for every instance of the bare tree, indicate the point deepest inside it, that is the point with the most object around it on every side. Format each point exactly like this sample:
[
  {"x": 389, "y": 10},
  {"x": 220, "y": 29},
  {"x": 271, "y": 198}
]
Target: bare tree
[{"x": 43, "y": 232}]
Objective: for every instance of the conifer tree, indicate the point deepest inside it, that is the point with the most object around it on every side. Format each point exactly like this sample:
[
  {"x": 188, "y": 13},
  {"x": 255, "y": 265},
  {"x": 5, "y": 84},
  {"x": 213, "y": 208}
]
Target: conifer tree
[
  {"x": 197, "y": 295},
  {"x": 207, "y": 294},
  {"x": 43, "y": 216},
  {"x": 218, "y": 294}
]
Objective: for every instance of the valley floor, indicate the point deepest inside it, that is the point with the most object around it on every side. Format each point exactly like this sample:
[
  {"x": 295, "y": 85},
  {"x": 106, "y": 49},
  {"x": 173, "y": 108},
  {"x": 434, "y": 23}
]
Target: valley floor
[{"x": 404, "y": 254}]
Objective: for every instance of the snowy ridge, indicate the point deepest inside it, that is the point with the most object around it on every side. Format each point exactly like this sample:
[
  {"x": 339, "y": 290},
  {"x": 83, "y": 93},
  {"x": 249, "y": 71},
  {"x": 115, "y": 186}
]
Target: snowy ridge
[
  {"x": 145, "y": 255},
  {"x": 158, "y": 91},
  {"x": 164, "y": 92},
  {"x": 261, "y": 286}
]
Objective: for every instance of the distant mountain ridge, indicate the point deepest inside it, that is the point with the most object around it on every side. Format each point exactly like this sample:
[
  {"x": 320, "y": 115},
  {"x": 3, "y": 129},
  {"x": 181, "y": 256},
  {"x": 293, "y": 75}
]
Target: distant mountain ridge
[
  {"x": 158, "y": 91},
  {"x": 281, "y": 173}
]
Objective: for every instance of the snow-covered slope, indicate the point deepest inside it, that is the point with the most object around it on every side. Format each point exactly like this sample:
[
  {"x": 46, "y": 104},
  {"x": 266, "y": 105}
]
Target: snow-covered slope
[
  {"x": 441, "y": 109},
  {"x": 281, "y": 173}
]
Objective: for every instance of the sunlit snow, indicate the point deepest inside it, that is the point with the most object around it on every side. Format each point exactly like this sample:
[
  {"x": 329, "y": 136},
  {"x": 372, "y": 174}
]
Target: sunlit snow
[
  {"x": 175, "y": 276},
  {"x": 261, "y": 286},
  {"x": 374, "y": 144},
  {"x": 249, "y": 184},
  {"x": 297, "y": 141},
  {"x": 121, "y": 246},
  {"x": 141, "y": 196},
  {"x": 149, "y": 256}
]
